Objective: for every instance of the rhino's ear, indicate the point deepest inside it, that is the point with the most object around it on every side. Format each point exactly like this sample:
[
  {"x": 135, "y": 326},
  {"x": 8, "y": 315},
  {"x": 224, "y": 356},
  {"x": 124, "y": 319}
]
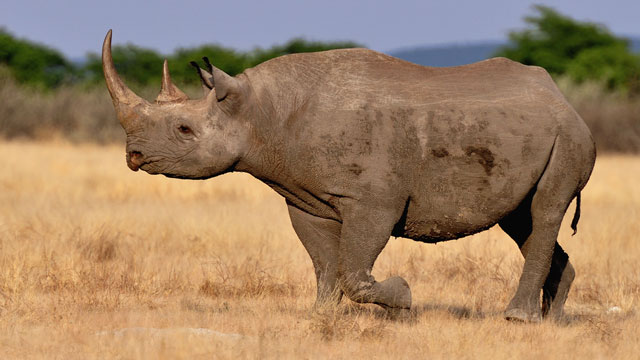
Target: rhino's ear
[
  {"x": 224, "y": 84},
  {"x": 205, "y": 78}
]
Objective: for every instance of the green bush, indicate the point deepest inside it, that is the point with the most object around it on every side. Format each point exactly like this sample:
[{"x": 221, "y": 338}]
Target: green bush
[
  {"x": 613, "y": 66},
  {"x": 34, "y": 64}
]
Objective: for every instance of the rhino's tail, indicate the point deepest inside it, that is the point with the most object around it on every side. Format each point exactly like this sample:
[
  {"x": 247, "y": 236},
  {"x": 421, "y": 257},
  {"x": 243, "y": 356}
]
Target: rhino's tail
[{"x": 576, "y": 216}]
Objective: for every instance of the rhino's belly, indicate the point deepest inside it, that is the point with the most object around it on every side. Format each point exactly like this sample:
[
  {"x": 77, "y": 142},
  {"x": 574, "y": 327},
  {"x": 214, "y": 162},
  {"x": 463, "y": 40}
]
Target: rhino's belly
[
  {"x": 446, "y": 217},
  {"x": 463, "y": 195},
  {"x": 441, "y": 229}
]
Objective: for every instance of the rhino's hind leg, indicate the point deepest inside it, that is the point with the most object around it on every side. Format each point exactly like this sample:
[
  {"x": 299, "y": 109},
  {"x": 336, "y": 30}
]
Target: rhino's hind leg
[
  {"x": 365, "y": 232},
  {"x": 534, "y": 225},
  {"x": 556, "y": 287},
  {"x": 320, "y": 238}
]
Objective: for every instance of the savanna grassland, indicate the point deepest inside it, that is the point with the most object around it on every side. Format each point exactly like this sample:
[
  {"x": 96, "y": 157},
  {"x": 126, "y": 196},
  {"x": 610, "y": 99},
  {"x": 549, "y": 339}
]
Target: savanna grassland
[{"x": 99, "y": 262}]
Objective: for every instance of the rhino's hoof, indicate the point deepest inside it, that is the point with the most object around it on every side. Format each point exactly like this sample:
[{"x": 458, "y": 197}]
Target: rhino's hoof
[
  {"x": 396, "y": 292},
  {"x": 516, "y": 314},
  {"x": 555, "y": 315}
]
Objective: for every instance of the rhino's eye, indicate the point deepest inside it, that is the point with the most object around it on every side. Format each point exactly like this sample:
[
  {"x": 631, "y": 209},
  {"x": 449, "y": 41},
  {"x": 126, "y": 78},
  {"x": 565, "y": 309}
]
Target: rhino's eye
[{"x": 185, "y": 129}]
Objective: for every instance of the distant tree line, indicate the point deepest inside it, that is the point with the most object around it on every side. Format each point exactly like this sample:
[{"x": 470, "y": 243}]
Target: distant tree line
[
  {"x": 41, "y": 66},
  {"x": 583, "y": 51},
  {"x": 144, "y": 66}
]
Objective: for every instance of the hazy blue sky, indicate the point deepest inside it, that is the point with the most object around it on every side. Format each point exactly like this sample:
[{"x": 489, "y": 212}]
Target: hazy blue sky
[{"x": 78, "y": 26}]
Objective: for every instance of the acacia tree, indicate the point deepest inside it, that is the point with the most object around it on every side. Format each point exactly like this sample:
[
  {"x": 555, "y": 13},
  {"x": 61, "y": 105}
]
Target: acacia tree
[{"x": 582, "y": 50}]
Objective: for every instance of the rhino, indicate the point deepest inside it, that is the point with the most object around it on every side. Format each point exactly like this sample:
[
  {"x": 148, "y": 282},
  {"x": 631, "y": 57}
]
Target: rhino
[{"x": 364, "y": 146}]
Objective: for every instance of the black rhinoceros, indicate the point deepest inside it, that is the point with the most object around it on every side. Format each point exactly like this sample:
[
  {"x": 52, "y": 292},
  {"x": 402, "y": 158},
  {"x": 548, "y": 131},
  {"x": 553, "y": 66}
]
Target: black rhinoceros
[{"x": 364, "y": 146}]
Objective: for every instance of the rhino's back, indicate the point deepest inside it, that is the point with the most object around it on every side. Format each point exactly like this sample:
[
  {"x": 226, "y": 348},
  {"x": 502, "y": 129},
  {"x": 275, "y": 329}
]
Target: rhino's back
[{"x": 346, "y": 78}]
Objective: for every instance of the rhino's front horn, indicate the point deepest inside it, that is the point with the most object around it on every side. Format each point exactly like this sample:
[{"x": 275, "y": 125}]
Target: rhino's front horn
[
  {"x": 123, "y": 98},
  {"x": 169, "y": 92}
]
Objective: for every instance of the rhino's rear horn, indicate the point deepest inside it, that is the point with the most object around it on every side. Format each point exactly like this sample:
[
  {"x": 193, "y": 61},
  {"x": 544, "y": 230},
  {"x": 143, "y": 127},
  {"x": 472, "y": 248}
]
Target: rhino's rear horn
[{"x": 169, "y": 92}]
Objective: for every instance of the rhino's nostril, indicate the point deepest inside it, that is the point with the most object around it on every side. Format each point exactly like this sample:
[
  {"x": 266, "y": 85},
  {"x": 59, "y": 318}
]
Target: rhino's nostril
[{"x": 134, "y": 160}]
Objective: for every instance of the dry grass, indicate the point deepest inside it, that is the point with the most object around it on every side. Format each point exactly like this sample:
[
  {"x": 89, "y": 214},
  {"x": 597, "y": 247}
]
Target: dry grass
[
  {"x": 88, "y": 248},
  {"x": 73, "y": 113}
]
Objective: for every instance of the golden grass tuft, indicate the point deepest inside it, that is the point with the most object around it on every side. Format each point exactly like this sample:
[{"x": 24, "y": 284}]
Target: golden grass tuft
[
  {"x": 99, "y": 262},
  {"x": 247, "y": 279}
]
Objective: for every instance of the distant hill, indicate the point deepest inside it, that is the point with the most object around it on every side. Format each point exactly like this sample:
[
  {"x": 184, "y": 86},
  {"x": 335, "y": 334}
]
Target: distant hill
[
  {"x": 460, "y": 54},
  {"x": 635, "y": 44},
  {"x": 449, "y": 55}
]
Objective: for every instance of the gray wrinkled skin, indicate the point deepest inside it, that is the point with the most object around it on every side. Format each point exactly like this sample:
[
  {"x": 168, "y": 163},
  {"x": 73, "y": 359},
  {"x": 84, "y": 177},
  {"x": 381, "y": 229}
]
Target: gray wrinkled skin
[{"x": 364, "y": 146}]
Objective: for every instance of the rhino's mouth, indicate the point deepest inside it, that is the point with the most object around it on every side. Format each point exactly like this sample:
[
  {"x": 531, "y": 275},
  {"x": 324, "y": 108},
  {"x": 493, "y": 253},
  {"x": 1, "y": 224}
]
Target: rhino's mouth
[
  {"x": 145, "y": 165},
  {"x": 149, "y": 168},
  {"x": 133, "y": 166},
  {"x": 136, "y": 161}
]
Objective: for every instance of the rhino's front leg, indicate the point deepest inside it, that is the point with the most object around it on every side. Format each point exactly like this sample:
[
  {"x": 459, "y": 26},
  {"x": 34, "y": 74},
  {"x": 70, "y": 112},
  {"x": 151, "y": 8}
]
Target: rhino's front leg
[
  {"x": 320, "y": 238},
  {"x": 365, "y": 232}
]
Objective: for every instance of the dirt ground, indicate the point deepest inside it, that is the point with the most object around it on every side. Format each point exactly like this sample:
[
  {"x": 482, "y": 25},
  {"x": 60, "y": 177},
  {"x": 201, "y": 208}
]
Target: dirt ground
[{"x": 99, "y": 262}]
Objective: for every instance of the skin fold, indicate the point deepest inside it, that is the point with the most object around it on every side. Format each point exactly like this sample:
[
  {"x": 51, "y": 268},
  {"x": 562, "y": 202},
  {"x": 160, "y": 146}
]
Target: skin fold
[{"x": 364, "y": 146}]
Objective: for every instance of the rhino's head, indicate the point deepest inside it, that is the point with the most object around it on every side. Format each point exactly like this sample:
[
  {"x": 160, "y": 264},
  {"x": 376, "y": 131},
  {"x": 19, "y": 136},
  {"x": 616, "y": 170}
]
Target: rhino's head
[{"x": 176, "y": 136}]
